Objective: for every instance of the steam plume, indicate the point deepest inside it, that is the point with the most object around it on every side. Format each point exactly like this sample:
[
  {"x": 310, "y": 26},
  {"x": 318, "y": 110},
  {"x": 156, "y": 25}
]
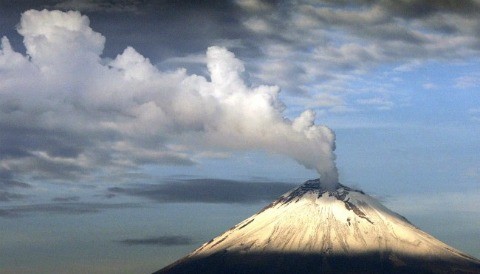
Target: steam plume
[{"x": 127, "y": 113}]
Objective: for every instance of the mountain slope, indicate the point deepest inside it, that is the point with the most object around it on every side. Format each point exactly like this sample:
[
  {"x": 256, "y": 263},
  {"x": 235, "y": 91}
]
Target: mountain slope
[{"x": 314, "y": 230}]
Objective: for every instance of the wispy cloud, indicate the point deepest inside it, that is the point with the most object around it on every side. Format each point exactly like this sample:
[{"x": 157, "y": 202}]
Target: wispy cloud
[
  {"x": 6, "y": 196},
  {"x": 474, "y": 114},
  {"x": 66, "y": 199},
  {"x": 100, "y": 5},
  {"x": 7, "y": 180},
  {"x": 70, "y": 208},
  {"x": 473, "y": 172},
  {"x": 380, "y": 103},
  {"x": 168, "y": 240},
  {"x": 207, "y": 191},
  {"x": 468, "y": 81},
  {"x": 329, "y": 40},
  {"x": 8, "y": 183},
  {"x": 430, "y": 86}
]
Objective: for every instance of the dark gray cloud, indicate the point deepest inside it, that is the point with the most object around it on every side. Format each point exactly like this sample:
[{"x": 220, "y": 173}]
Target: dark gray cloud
[
  {"x": 6, "y": 183},
  {"x": 13, "y": 183},
  {"x": 7, "y": 213},
  {"x": 70, "y": 208},
  {"x": 21, "y": 140},
  {"x": 66, "y": 199},
  {"x": 157, "y": 29},
  {"x": 169, "y": 240},
  {"x": 423, "y": 8},
  {"x": 412, "y": 8},
  {"x": 100, "y": 5},
  {"x": 6, "y": 196},
  {"x": 163, "y": 29},
  {"x": 17, "y": 140},
  {"x": 207, "y": 191}
]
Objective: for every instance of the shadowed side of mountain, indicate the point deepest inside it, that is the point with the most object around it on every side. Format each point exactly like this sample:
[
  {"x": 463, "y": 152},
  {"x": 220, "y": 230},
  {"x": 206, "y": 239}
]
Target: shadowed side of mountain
[{"x": 279, "y": 263}]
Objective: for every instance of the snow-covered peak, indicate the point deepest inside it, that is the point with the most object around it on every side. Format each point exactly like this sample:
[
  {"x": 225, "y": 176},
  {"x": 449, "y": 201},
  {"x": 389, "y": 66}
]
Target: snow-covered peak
[
  {"x": 318, "y": 188},
  {"x": 327, "y": 224}
]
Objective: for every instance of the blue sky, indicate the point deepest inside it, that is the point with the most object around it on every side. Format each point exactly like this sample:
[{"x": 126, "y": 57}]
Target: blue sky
[{"x": 131, "y": 132}]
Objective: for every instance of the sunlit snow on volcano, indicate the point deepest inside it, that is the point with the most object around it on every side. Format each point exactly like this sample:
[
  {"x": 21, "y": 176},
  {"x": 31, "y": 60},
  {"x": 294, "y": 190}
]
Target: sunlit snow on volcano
[{"x": 312, "y": 229}]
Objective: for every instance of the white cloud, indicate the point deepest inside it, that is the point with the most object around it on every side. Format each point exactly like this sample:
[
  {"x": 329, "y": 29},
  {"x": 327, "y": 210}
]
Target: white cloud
[
  {"x": 328, "y": 42},
  {"x": 468, "y": 81},
  {"x": 327, "y": 100},
  {"x": 192, "y": 58},
  {"x": 380, "y": 103},
  {"x": 409, "y": 66},
  {"x": 473, "y": 173},
  {"x": 474, "y": 114},
  {"x": 258, "y": 25},
  {"x": 75, "y": 115},
  {"x": 429, "y": 86},
  {"x": 253, "y": 5}
]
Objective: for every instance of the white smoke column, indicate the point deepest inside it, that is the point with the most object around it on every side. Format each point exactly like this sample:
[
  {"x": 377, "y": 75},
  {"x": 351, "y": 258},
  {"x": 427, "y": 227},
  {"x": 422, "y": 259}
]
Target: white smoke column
[
  {"x": 125, "y": 113},
  {"x": 252, "y": 119}
]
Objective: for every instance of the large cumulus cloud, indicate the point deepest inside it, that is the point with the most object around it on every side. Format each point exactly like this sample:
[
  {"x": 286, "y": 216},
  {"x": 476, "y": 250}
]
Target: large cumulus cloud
[{"x": 68, "y": 113}]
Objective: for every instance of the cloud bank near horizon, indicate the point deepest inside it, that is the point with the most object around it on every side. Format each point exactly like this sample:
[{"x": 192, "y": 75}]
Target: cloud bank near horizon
[
  {"x": 68, "y": 114},
  {"x": 214, "y": 191},
  {"x": 167, "y": 240}
]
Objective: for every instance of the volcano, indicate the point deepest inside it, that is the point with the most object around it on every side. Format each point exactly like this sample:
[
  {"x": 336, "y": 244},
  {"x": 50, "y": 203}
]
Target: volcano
[{"x": 314, "y": 229}]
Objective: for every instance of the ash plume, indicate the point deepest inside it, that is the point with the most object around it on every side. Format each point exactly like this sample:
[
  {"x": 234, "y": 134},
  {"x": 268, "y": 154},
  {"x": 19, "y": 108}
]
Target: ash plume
[{"x": 77, "y": 112}]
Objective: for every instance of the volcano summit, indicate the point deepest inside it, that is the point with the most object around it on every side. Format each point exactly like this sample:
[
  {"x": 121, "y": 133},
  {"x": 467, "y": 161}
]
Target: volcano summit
[{"x": 312, "y": 229}]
